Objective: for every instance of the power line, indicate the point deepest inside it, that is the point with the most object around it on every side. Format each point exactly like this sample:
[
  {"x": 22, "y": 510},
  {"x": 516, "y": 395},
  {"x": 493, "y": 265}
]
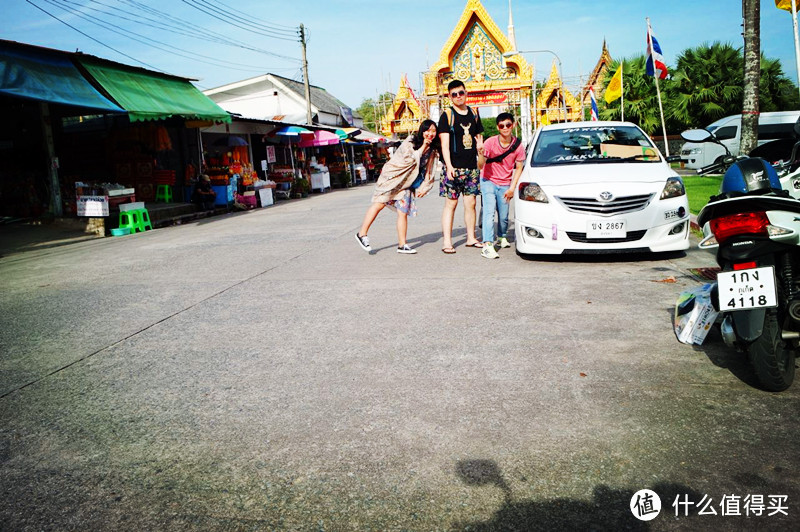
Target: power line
[
  {"x": 93, "y": 39},
  {"x": 279, "y": 28},
  {"x": 202, "y": 8},
  {"x": 144, "y": 40},
  {"x": 176, "y": 27}
]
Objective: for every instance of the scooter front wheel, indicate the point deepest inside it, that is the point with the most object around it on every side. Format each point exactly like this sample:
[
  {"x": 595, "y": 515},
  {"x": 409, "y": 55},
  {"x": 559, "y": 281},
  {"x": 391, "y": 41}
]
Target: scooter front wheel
[{"x": 772, "y": 357}]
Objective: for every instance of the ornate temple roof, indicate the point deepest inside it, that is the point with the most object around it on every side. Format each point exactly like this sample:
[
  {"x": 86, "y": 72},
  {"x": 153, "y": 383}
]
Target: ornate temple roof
[
  {"x": 547, "y": 101},
  {"x": 474, "y": 54},
  {"x": 406, "y": 112},
  {"x": 599, "y": 70}
]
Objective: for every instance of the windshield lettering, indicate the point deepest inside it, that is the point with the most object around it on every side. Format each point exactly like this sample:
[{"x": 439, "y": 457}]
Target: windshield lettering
[{"x": 612, "y": 143}]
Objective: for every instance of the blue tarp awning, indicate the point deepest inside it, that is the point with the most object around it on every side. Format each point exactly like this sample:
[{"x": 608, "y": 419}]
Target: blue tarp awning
[{"x": 41, "y": 75}]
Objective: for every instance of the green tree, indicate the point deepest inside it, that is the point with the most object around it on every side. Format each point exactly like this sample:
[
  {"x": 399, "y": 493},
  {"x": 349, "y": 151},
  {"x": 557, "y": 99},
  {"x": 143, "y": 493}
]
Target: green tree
[
  {"x": 777, "y": 92},
  {"x": 372, "y": 110},
  {"x": 489, "y": 127},
  {"x": 706, "y": 85},
  {"x": 708, "y": 82}
]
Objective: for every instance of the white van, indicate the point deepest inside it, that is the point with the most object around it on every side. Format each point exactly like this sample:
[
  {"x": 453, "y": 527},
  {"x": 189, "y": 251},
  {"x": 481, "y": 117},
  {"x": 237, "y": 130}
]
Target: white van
[{"x": 771, "y": 126}]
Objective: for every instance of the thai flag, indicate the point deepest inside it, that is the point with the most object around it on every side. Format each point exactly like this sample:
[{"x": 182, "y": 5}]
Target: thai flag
[
  {"x": 654, "y": 56},
  {"x": 595, "y": 112}
]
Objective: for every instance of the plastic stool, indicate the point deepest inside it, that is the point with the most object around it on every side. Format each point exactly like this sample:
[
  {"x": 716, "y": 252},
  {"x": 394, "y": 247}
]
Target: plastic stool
[
  {"x": 129, "y": 219},
  {"x": 164, "y": 193},
  {"x": 143, "y": 222},
  {"x": 135, "y": 220}
]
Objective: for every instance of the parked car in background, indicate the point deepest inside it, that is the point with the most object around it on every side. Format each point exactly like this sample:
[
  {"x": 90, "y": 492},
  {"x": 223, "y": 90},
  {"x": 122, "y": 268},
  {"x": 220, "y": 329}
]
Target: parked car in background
[
  {"x": 728, "y": 130},
  {"x": 598, "y": 187}
]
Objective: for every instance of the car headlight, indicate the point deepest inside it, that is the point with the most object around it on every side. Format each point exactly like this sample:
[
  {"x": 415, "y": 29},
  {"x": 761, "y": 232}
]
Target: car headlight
[
  {"x": 692, "y": 151},
  {"x": 532, "y": 192},
  {"x": 673, "y": 188}
]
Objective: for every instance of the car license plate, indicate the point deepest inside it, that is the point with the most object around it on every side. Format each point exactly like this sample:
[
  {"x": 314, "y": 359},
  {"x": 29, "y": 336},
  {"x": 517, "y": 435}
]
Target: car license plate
[
  {"x": 606, "y": 229},
  {"x": 747, "y": 289}
]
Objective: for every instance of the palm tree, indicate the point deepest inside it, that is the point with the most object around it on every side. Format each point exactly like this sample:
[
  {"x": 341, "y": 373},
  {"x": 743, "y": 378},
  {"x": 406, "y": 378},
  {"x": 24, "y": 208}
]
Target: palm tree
[
  {"x": 751, "y": 12},
  {"x": 706, "y": 85},
  {"x": 776, "y": 91}
]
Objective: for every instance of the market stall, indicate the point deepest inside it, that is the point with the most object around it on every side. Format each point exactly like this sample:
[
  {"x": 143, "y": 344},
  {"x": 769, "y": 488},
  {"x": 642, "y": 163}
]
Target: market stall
[{"x": 320, "y": 176}]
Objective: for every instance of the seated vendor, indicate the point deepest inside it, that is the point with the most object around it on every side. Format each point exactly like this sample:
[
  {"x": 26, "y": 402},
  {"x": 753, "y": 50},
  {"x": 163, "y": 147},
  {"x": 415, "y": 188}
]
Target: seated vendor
[{"x": 204, "y": 196}]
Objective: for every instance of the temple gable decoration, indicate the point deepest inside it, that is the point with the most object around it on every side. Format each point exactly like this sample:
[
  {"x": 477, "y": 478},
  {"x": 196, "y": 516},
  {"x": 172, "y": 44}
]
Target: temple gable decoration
[
  {"x": 549, "y": 106},
  {"x": 406, "y": 113},
  {"x": 474, "y": 54}
]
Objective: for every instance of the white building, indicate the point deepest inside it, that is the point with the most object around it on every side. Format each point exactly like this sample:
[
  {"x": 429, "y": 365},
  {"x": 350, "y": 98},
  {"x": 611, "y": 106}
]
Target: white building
[{"x": 271, "y": 97}]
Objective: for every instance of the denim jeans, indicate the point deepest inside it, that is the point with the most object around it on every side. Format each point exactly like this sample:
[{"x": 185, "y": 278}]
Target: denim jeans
[{"x": 492, "y": 200}]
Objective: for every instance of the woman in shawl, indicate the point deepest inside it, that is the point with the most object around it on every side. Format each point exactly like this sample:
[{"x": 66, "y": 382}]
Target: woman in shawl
[{"x": 406, "y": 176}]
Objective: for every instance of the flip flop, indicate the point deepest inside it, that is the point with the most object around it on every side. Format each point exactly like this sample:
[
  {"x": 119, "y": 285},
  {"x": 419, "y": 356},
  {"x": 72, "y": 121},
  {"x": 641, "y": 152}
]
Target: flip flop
[
  {"x": 448, "y": 251},
  {"x": 475, "y": 245}
]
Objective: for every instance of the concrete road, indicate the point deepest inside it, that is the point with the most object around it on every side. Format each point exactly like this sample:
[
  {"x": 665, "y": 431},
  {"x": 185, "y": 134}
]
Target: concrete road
[{"x": 258, "y": 371}]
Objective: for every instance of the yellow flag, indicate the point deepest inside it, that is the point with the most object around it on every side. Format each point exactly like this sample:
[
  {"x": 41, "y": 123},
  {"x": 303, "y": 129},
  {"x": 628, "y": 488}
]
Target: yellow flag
[
  {"x": 787, "y": 5},
  {"x": 614, "y": 88},
  {"x": 545, "y": 120}
]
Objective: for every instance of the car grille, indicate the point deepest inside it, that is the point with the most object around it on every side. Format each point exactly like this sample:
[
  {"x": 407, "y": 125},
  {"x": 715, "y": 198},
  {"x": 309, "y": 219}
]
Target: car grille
[
  {"x": 618, "y": 205},
  {"x": 631, "y": 236}
]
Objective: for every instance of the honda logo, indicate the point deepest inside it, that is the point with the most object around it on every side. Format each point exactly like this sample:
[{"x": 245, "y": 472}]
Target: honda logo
[{"x": 605, "y": 197}]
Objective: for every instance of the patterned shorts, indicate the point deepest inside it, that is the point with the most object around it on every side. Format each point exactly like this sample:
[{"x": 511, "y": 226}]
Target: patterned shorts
[{"x": 465, "y": 182}]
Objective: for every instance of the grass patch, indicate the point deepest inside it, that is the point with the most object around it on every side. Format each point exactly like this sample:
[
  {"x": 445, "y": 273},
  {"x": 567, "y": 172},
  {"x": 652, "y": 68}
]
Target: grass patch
[{"x": 699, "y": 189}]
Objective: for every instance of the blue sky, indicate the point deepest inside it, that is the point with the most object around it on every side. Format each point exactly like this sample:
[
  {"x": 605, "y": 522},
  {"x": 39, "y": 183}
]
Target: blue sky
[{"x": 358, "y": 48}]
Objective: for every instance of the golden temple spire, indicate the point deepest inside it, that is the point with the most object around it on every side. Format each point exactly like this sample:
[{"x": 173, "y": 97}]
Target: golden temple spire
[{"x": 511, "y": 38}]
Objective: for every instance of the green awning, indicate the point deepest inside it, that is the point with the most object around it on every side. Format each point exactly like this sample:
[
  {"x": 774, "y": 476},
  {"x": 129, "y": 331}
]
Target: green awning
[{"x": 148, "y": 96}]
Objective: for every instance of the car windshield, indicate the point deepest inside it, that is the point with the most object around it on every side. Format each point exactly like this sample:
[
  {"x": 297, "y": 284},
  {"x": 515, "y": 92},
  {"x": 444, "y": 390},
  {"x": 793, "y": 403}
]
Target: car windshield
[{"x": 593, "y": 144}]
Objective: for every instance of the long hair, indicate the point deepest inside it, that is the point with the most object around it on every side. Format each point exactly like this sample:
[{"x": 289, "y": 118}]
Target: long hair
[{"x": 418, "y": 138}]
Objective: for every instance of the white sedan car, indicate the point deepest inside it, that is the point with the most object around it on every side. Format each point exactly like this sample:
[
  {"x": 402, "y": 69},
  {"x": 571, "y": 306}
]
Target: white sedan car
[{"x": 598, "y": 187}]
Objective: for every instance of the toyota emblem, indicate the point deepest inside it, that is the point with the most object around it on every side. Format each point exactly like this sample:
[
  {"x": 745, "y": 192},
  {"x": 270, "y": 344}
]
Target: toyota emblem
[{"x": 605, "y": 197}]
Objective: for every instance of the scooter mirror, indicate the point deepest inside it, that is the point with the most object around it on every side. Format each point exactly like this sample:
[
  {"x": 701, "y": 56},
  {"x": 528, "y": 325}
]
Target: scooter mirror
[{"x": 697, "y": 135}]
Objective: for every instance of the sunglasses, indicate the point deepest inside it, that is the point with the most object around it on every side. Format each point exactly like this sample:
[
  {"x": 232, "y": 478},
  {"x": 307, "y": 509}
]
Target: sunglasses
[
  {"x": 457, "y": 94},
  {"x": 505, "y": 125}
]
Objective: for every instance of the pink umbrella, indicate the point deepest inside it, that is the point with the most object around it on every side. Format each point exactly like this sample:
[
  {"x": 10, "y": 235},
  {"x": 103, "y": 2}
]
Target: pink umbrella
[{"x": 321, "y": 138}]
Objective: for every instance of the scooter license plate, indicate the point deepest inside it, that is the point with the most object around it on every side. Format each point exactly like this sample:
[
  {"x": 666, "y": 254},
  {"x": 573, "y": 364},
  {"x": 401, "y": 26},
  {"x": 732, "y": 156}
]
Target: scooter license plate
[{"x": 747, "y": 289}]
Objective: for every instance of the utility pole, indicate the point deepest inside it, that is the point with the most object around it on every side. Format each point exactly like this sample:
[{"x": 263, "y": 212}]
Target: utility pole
[
  {"x": 305, "y": 74},
  {"x": 751, "y": 15}
]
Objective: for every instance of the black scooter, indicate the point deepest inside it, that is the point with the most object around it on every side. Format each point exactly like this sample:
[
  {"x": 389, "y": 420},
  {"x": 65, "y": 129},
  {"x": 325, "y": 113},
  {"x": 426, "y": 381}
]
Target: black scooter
[{"x": 755, "y": 234}]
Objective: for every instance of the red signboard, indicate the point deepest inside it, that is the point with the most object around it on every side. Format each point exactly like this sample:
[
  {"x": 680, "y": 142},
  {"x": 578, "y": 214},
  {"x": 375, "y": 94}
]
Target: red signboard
[{"x": 485, "y": 98}]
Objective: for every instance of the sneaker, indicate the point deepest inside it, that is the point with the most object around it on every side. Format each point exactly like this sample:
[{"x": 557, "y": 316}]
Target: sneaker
[
  {"x": 503, "y": 242},
  {"x": 489, "y": 252},
  {"x": 363, "y": 241},
  {"x": 406, "y": 250}
]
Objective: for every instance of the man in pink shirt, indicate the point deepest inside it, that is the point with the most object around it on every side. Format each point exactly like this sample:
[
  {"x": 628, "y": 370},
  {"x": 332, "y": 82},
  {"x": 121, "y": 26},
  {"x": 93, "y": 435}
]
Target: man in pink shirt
[{"x": 501, "y": 162}]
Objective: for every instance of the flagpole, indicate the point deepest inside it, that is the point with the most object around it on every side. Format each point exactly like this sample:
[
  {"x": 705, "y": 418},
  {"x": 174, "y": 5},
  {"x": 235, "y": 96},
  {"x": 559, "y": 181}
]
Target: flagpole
[
  {"x": 658, "y": 91},
  {"x": 796, "y": 44},
  {"x": 621, "y": 91}
]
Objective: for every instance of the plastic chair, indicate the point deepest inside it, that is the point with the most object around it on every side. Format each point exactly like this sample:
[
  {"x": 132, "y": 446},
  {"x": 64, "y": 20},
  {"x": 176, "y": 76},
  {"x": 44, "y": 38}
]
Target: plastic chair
[{"x": 164, "y": 193}]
